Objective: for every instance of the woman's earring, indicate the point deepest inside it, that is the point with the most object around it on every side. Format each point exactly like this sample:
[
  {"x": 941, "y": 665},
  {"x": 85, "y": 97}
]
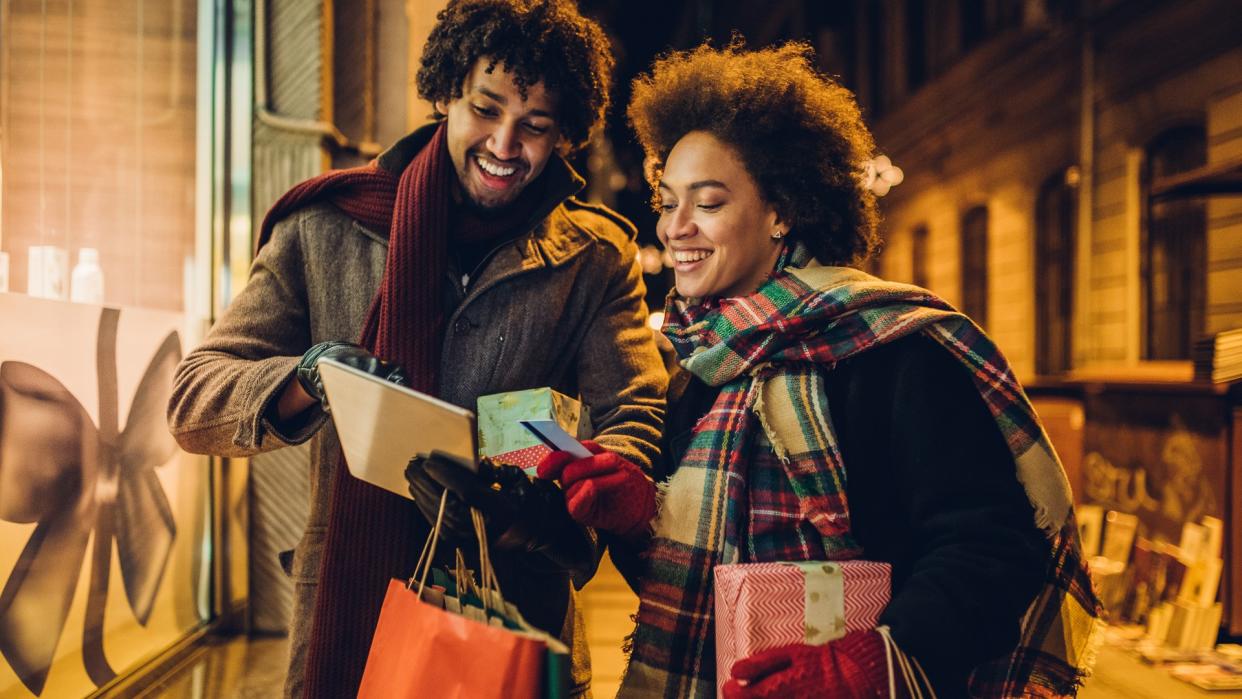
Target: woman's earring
[{"x": 778, "y": 234}]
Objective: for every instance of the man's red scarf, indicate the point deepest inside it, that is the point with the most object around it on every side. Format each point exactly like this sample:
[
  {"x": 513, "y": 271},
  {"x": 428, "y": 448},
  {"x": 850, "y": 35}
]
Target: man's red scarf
[{"x": 374, "y": 535}]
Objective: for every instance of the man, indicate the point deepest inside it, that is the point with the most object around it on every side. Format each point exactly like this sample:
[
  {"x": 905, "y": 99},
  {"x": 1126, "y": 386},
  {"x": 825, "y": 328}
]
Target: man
[{"x": 460, "y": 256}]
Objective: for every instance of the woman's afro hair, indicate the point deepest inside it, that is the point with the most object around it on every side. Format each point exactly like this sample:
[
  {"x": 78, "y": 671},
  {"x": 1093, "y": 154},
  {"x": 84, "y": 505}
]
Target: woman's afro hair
[{"x": 799, "y": 133}]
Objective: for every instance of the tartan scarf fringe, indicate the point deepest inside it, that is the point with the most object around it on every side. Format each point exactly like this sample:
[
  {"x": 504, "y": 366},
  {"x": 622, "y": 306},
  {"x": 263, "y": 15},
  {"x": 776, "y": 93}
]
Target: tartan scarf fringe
[
  {"x": 761, "y": 411},
  {"x": 808, "y": 314}
]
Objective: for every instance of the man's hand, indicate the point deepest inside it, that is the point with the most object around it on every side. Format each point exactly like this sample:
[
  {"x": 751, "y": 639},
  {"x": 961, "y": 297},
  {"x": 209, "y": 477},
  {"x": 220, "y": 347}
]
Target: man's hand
[
  {"x": 521, "y": 514},
  {"x": 347, "y": 353},
  {"x": 456, "y": 527},
  {"x": 852, "y": 667},
  {"x": 604, "y": 491}
]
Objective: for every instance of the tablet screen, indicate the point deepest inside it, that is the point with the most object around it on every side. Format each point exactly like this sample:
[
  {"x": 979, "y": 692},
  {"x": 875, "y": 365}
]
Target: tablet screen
[{"x": 382, "y": 425}]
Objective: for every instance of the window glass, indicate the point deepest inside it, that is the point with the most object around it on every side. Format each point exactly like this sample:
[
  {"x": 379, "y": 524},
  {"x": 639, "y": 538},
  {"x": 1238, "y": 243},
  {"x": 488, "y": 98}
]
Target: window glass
[
  {"x": 1174, "y": 250},
  {"x": 975, "y": 265},
  {"x": 1054, "y": 275},
  {"x": 97, "y": 146},
  {"x": 105, "y": 540}
]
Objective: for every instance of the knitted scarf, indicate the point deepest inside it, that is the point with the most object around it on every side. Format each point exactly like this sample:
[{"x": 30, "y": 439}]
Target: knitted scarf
[
  {"x": 804, "y": 314},
  {"x": 374, "y": 535},
  {"x": 368, "y": 194}
]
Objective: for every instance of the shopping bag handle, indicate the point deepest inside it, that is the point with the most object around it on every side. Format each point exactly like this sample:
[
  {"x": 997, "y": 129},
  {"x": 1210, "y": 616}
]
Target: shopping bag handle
[
  {"x": 488, "y": 582},
  {"x": 907, "y": 666},
  {"x": 429, "y": 550}
]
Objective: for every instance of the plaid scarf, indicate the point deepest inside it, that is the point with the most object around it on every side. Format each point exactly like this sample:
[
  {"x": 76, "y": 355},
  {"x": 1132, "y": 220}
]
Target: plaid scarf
[{"x": 757, "y": 349}]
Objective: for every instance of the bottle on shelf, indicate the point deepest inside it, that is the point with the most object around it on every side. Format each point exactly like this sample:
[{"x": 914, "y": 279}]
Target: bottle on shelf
[{"x": 87, "y": 282}]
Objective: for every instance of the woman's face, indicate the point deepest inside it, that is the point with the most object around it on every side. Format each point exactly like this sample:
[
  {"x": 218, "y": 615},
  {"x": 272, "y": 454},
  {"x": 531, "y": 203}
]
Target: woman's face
[{"x": 713, "y": 221}]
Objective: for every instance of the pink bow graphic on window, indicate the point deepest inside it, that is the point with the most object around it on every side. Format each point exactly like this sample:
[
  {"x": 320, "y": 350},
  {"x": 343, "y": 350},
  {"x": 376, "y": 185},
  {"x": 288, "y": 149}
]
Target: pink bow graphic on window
[{"x": 71, "y": 477}]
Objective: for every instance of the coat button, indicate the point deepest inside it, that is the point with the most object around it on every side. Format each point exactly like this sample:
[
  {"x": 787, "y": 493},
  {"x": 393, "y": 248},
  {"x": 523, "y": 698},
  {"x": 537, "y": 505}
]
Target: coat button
[{"x": 461, "y": 326}]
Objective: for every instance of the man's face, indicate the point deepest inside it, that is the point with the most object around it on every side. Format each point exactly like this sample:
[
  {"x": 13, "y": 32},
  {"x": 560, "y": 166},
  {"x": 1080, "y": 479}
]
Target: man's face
[{"x": 498, "y": 141}]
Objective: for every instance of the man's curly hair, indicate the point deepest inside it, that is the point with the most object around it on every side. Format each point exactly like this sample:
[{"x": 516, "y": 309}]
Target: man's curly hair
[
  {"x": 799, "y": 133},
  {"x": 544, "y": 41}
]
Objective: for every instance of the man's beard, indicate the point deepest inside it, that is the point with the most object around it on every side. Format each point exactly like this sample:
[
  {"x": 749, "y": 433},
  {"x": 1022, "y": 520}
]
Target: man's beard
[{"x": 499, "y": 209}]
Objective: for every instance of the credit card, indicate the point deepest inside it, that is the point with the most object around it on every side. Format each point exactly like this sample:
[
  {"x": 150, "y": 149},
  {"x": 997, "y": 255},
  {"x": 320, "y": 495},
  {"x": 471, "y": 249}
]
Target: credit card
[{"x": 555, "y": 437}]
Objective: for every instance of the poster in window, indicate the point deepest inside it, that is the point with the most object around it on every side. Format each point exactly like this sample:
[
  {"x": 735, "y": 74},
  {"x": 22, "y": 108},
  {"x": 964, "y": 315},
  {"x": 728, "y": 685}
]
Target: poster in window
[{"x": 102, "y": 517}]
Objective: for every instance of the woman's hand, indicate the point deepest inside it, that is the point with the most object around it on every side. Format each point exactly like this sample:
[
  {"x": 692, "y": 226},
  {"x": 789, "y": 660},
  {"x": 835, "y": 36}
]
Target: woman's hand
[
  {"x": 852, "y": 667},
  {"x": 604, "y": 491}
]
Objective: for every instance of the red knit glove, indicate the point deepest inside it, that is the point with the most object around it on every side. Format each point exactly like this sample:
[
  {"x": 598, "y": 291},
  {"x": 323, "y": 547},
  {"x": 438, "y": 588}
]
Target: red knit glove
[
  {"x": 853, "y": 667},
  {"x": 604, "y": 491}
]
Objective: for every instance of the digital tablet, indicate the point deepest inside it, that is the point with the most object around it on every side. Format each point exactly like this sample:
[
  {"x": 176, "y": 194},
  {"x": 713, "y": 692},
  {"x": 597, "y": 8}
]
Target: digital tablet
[{"x": 382, "y": 425}]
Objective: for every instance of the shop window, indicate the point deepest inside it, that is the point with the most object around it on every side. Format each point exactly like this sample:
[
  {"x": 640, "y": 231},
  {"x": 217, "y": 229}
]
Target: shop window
[
  {"x": 975, "y": 264},
  {"x": 1054, "y": 275},
  {"x": 918, "y": 255},
  {"x": 98, "y": 143},
  {"x": 1174, "y": 258},
  {"x": 97, "y": 146}
]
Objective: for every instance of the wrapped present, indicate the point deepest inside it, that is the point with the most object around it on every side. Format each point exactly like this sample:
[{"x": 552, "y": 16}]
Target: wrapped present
[
  {"x": 504, "y": 440},
  {"x": 767, "y": 605}
]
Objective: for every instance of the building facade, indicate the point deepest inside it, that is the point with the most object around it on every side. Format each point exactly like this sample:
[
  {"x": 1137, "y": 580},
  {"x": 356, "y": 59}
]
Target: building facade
[{"x": 1043, "y": 144}]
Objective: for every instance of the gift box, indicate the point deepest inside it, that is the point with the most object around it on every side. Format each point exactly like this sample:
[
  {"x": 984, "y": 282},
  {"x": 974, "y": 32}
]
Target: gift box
[
  {"x": 760, "y": 606},
  {"x": 502, "y": 437}
]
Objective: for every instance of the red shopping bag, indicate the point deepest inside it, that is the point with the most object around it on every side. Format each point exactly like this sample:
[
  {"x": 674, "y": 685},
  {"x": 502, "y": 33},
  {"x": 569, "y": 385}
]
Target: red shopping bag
[{"x": 420, "y": 650}]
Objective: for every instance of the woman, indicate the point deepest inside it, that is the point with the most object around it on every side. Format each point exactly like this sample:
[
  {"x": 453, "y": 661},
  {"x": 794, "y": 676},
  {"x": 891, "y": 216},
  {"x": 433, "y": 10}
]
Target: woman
[{"x": 826, "y": 415}]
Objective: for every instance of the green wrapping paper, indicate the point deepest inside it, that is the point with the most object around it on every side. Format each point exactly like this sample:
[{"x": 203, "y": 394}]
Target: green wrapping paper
[{"x": 502, "y": 437}]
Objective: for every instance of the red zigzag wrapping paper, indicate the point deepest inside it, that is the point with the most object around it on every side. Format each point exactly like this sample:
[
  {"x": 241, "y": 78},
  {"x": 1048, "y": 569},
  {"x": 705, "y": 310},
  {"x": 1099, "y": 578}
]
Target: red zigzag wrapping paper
[{"x": 768, "y": 605}]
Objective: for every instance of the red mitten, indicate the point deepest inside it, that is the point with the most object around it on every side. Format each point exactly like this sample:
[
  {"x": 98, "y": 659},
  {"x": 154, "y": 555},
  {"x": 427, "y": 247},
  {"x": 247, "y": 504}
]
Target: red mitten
[
  {"x": 853, "y": 667},
  {"x": 604, "y": 491}
]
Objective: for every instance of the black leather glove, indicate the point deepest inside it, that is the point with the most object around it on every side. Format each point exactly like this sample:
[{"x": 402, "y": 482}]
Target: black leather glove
[
  {"x": 456, "y": 528},
  {"x": 521, "y": 514},
  {"x": 349, "y": 354}
]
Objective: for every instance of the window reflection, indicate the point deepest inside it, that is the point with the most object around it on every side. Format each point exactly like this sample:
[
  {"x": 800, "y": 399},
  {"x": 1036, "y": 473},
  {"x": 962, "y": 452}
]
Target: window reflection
[{"x": 97, "y": 145}]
